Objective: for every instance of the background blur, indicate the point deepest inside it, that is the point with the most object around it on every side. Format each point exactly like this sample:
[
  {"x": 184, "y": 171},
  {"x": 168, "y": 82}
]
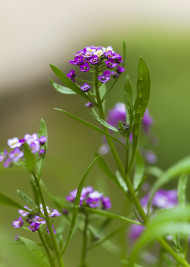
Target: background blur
[{"x": 37, "y": 33}]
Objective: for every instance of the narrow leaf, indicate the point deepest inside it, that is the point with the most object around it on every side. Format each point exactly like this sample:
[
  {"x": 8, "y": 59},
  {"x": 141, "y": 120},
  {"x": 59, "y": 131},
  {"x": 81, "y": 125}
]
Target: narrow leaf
[
  {"x": 128, "y": 96},
  {"x": 61, "y": 89},
  {"x": 5, "y": 200},
  {"x": 181, "y": 189},
  {"x": 102, "y": 91},
  {"x": 26, "y": 198},
  {"x": 70, "y": 84},
  {"x": 43, "y": 131},
  {"x": 105, "y": 124},
  {"x": 139, "y": 170},
  {"x": 77, "y": 203},
  {"x": 35, "y": 250},
  {"x": 111, "y": 215},
  {"x": 103, "y": 166},
  {"x": 124, "y": 52},
  {"x": 90, "y": 125},
  {"x": 121, "y": 182},
  {"x": 30, "y": 159}
]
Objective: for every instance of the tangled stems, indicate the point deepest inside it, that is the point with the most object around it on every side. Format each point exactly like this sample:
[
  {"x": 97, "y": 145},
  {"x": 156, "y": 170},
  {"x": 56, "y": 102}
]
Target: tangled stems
[
  {"x": 56, "y": 249},
  {"x": 131, "y": 193}
]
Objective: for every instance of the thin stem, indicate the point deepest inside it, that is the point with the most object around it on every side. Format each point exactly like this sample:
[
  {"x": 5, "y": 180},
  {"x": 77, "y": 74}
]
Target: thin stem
[
  {"x": 56, "y": 249},
  {"x": 132, "y": 195},
  {"x": 52, "y": 264},
  {"x": 84, "y": 246}
]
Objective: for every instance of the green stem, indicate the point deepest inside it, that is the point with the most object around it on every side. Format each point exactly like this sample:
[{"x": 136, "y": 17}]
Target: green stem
[
  {"x": 56, "y": 249},
  {"x": 132, "y": 195},
  {"x": 84, "y": 246},
  {"x": 52, "y": 264}
]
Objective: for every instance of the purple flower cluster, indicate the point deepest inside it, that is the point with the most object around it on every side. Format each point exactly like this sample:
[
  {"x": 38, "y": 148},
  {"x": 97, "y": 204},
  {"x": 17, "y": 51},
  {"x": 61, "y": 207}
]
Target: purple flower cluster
[
  {"x": 34, "y": 221},
  {"x": 35, "y": 143},
  {"x": 90, "y": 198},
  {"x": 90, "y": 56},
  {"x": 163, "y": 199}
]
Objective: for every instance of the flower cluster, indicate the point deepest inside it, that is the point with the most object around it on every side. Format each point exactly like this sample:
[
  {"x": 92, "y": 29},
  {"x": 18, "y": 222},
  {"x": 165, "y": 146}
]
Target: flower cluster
[
  {"x": 35, "y": 143},
  {"x": 90, "y": 198},
  {"x": 163, "y": 199},
  {"x": 34, "y": 221},
  {"x": 91, "y": 56}
]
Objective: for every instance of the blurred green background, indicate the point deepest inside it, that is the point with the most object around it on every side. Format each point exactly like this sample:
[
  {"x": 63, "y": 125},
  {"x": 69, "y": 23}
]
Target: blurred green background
[{"x": 71, "y": 145}]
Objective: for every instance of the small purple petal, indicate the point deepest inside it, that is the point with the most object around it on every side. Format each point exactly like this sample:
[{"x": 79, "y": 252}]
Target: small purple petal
[
  {"x": 18, "y": 223},
  {"x": 85, "y": 87},
  {"x": 89, "y": 105}
]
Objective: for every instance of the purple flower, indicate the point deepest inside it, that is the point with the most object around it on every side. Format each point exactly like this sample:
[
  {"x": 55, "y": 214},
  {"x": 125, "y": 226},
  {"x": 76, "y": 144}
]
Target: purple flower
[
  {"x": 147, "y": 122},
  {"x": 120, "y": 69},
  {"x": 31, "y": 138},
  {"x": 42, "y": 140},
  {"x": 111, "y": 63},
  {"x": 118, "y": 58},
  {"x": 94, "y": 60},
  {"x": 35, "y": 147},
  {"x": 24, "y": 213},
  {"x": 150, "y": 157},
  {"x": 18, "y": 223},
  {"x": 54, "y": 213},
  {"x": 110, "y": 54},
  {"x": 135, "y": 231},
  {"x": 94, "y": 199},
  {"x": 7, "y": 163},
  {"x": 39, "y": 220},
  {"x": 103, "y": 78},
  {"x": 118, "y": 113},
  {"x": 34, "y": 226},
  {"x": 16, "y": 154},
  {"x": 71, "y": 75},
  {"x": 42, "y": 151},
  {"x": 106, "y": 203},
  {"x": 85, "y": 87},
  {"x": 14, "y": 142},
  {"x": 89, "y": 105},
  {"x": 84, "y": 67},
  {"x": 77, "y": 61}
]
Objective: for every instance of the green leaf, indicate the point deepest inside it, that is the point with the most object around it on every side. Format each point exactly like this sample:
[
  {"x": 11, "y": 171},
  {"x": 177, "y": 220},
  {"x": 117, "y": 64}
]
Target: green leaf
[
  {"x": 111, "y": 215},
  {"x": 70, "y": 83},
  {"x": 170, "y": 221},
  {"x": 155, "y": 171},
  {"x": 77, "y": 202},
  {"x": 61, "y": 89},
  {"x": 89, "y": 125},
  {"x": 124, "y": 52},
  {"x": 181, "y": 189},
  {"x": 103, "y": 166},
  {"x": 141, "y": 103},
  {"x": 128, "y": 96},
  {"x": 26, "y": 198},
  {"x": 105, "y": 124},
  {"x": 35, "y": 250},
  {"x": 139, "y": 170},
  {"x": 121, "y": 182},
  {"x": 43, "y": 131},
  {"x": 102, "y": 91},
  {"x": 30, "y": 158},
  {"x": 143, "y": 90},
  {"x": 5, "y": 200},
  {"x": 183, "y": 166},
  {"x": 35, "y": 192}
]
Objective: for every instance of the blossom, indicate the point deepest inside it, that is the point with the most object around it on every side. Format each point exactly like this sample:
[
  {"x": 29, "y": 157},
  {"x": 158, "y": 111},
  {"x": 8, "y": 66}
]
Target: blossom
[
  {"x": 89, "y": 104},
  {"x": 39, "y": 220},
  {"x": 71, "y": 75},
  {"x": 42, "y": 140},
  {"x": 147, "y": 122},
  {"x": 31, "y": 138},
  {"x": 111, "y": 63},
  {"x": 94, "y": 60},
  {"x": 85, "y": 87},
  {"x": 84, "y": 67},
  {"x": 24, "y": 213},
  {"x": 16, "y": 154},
  {"x": 34, "y": 226},
  {"x": 14, "y": 142},
  {"x": 18, "y": 223},
  {"x": 91, "y": 198},
  {"x": 35, "y": 147}
]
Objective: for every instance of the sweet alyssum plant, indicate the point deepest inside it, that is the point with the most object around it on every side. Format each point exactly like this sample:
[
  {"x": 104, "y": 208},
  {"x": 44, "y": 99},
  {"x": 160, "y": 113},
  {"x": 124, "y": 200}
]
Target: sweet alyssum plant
[{"x": 160, "y": 216}]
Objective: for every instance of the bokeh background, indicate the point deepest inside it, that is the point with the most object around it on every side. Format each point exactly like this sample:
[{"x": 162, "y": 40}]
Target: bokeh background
[{"x": 37, "y": 33}]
